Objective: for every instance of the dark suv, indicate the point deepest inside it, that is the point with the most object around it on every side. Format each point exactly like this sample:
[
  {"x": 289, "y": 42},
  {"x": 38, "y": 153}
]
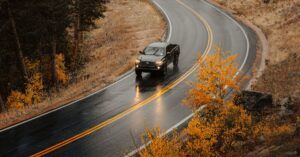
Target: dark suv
[{"x": 156, "y": 57}]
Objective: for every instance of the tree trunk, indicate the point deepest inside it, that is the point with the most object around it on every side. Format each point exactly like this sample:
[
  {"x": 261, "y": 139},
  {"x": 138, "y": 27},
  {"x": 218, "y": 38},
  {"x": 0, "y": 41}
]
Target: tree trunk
[
  {"x": 19, "y": 52},
  {"x": 54, "y": 47},
  {"x": 53, "y": 60},
  {"x": 76, "y": 33},
  {"x": 3, "y": 108}
]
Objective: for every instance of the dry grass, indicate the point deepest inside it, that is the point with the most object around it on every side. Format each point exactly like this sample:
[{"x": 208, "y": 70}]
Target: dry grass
[
  {"x": 280, "y": 21},
  {"x": 112, "y": 48},
  {"x": 281, "y": 79}
]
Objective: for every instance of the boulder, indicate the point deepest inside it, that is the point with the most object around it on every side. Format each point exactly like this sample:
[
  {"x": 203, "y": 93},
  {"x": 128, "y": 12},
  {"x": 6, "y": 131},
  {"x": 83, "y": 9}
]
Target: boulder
[
  {"x": 254, "y": 101},
  {"x": 286, "y": 102}
]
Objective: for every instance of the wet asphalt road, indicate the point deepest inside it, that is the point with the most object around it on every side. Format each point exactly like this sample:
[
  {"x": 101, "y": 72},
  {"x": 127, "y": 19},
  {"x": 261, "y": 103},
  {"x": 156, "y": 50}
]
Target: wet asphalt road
[{"x": 118, "y": 137}]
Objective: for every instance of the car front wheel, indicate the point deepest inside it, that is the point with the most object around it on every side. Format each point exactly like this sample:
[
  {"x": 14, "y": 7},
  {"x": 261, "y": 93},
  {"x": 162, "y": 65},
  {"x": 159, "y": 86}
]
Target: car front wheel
[
  {"x": 164, "y": 71},
  {"x": 138, "y": 72}
]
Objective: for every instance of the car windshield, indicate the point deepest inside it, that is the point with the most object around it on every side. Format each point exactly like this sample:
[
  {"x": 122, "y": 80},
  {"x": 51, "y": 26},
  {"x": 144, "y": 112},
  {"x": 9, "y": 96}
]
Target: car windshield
[{"x": 157, "y": 51}]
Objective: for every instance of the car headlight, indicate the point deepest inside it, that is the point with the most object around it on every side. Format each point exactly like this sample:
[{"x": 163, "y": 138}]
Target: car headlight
[
  {"x": 137, "y": 61},
  {"x": 159, "y": 63}
]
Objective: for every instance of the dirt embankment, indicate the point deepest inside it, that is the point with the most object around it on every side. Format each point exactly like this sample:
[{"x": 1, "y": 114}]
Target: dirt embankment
[{"x": 112, "y": 47}]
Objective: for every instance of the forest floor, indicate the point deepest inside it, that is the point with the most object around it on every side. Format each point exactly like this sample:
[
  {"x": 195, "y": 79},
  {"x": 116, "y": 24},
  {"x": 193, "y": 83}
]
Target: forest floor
[
  {"x": 279, "y": 21},
  {"x": 112, "y": 47}
]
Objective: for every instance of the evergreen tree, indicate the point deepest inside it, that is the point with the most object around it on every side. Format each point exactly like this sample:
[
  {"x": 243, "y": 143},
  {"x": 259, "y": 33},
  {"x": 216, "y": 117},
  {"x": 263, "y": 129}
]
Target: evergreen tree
[
  {"x": 2, "y": 105},
  {"x": 38, "y": 30},
  {"x": 19, "y": 52},
  {"x": 85, "y": 13}
]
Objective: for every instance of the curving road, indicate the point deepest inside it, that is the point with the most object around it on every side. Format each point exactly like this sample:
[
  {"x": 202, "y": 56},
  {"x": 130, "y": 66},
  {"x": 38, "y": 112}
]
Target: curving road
[{"x": 109, "y": 122}]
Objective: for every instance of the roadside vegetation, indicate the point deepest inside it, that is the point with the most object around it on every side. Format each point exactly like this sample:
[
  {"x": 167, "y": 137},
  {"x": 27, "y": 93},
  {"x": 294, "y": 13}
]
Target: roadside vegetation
[
  {"x": 223, "y": 128},
  {"x": 279, "y": 21},
  {"x": 54, "y": 52}
]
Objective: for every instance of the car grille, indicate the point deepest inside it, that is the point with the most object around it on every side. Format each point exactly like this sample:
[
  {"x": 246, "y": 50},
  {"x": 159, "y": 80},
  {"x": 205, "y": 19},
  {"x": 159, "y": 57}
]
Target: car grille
[{"x": 146, "y": 64}]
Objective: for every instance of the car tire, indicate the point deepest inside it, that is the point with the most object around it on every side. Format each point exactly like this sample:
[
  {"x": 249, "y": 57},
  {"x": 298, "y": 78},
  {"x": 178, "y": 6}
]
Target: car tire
[
  {"x": 175, "y": 61},
  {"x": 164, "y": 71},
  {"x": 138, "y": 72}
]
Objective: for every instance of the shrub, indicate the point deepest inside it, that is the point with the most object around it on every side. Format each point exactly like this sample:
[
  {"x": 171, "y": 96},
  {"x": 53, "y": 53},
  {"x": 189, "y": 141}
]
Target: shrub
[
  {"x": 33, "y": 88},
  {"x": 161, "y": 146},
  {"x": 60, "y": 68},
  {"x": 216, "y": 74},
  {"x": 217, "y": 130}
]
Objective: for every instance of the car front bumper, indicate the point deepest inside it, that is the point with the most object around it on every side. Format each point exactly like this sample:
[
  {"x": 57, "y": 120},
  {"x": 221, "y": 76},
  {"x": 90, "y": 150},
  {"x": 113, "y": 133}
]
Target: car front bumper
[{"x": 148, "y": 68}]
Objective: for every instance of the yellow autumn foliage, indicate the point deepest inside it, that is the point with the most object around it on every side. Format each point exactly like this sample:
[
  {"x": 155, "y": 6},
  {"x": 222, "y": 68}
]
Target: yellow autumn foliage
[
  {"x": 60, "y": 68},
  {"x": 272, "y": 131},
  {"x": 217, "y": 130},
  {"x": 16, "y": 100},
  {"x": 216, "y": 74},
  {"x": 33, "y": 88},
  {"x": 161, "y": 146}
]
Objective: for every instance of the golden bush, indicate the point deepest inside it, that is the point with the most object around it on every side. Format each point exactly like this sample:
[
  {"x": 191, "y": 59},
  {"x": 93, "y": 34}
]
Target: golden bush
[
  {"x": 216, "y": 74},
  {"x": 216, "y": 130},
  {"x": 162, "y": 146},
  {"x": 33, "y": 88},
  {"x": 60, "y": 68},
  {"x": 272, "y": 131},
  {"x": 16, "y": 100}
]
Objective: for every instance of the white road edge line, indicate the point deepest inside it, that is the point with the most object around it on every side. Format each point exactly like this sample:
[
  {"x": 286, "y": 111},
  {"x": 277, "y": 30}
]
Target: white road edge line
[
  {"x": 118, "y": 81},
  {"x": 242, "y": 29},
  {"x": 166, "y": 132},
  {"x": 192, "y": 114},
  {"x": 36, "y": 117},
  {"x": 170, "y": 30}
]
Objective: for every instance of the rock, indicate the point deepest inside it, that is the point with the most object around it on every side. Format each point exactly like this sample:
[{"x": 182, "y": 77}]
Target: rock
[
  {"x": 287, "y": 102},
  {"x": 296, "y": 97},
  {"x": 285, "y": 108},
  {"x": 286, "y": 113},
  {"x": 239, "y": 144},
  {"x": 264, "y": 152},
  {"x": 297, "y": 132},
  {"x": 261, "y": 138},
  {"x": 252, "y": 154},
  {"x": 292, "y": 153},
  {"x": 254, "y": 101}
]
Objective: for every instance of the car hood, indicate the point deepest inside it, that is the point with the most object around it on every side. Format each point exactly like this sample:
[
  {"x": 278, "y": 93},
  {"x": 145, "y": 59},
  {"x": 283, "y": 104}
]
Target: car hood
[{"x": 150, "y": 58}]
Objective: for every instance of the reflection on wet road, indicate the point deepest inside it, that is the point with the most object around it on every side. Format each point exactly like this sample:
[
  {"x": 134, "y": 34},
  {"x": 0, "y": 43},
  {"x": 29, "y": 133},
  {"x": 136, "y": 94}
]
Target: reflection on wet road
[
  {"x": 150, "y": 81},
  {"x": 104, "y": 123}
]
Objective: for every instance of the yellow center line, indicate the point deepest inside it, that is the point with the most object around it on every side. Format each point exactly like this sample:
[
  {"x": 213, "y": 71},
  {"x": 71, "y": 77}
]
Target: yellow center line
[{"x": 138, "y": 105}]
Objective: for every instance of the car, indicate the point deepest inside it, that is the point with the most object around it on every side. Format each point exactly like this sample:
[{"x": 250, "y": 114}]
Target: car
[{"x": 156, "y": 57}]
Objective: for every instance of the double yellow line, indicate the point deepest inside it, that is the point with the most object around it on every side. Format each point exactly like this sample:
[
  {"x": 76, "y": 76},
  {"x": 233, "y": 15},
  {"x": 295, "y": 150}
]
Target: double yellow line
[{"x": 138, "y": 105}]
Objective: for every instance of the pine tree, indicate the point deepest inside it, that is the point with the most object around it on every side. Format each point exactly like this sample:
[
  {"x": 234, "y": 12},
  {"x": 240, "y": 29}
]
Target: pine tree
[
  {"x": 85, "y": 13},
  {"x": 19, "y": 52},
  {"x": 2, "y": 105},
  {"x": 40, "y": 26},
  {"x": 56, "y": 22}
]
